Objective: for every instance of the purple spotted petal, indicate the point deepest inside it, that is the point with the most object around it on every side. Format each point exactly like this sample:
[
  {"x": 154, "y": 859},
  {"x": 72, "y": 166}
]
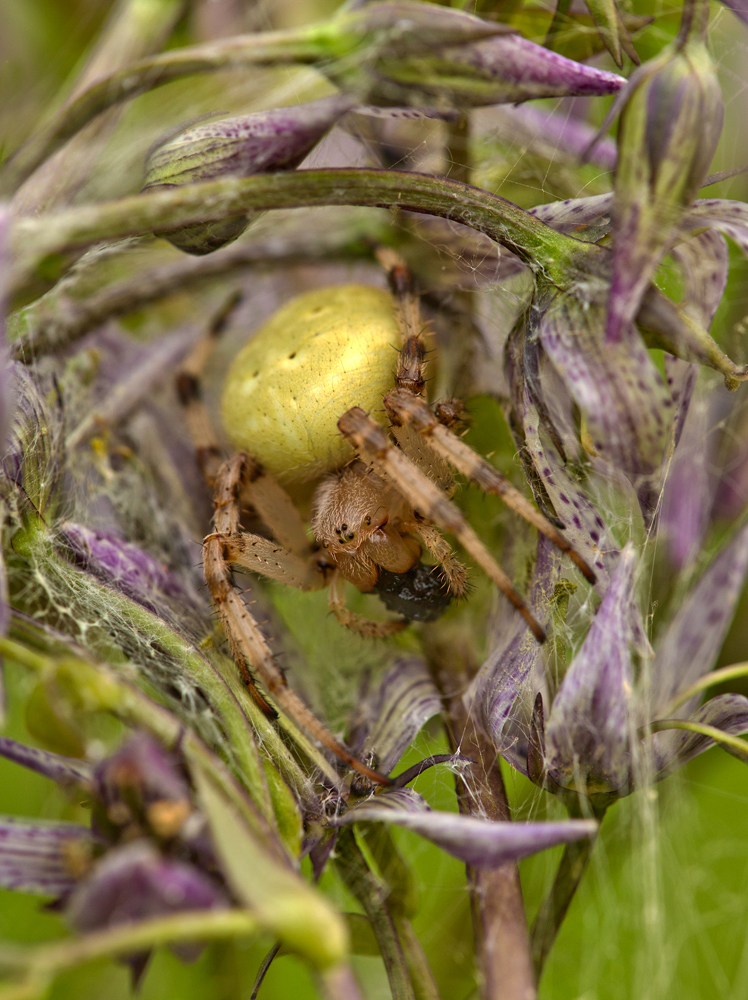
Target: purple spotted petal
[
  {"x": 704, "y": 261},
  {"x": 63, "y": 770},
  {"x": 681, "y": 381},
  {"x": 404, "y": 701},
  {"x": 121, "y": 565},
  {"x": 587, "y": 734},
  {"x": 675, "y": 747},
  {"x": 514, "y": 69},
  {"x": 506, "y": 669},
  {"x": 135, "y": 882},
  {"x": 237, "y": 147},
  {"x": 586, "y": 219},
  {"x": 616, "y": 385},
  {"x": 478, "y": 842},
  {"x": 729, "y": 217},
  {"x": 691, "y": 643},
  {"x": 691, "y": 481},
  {"x": 34, "y": 857}
]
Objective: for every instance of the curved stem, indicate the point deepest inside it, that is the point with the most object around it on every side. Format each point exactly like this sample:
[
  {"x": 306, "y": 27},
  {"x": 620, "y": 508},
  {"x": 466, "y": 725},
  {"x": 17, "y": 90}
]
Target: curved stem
[
  {"x": 733, "y": 743},
  {"x": 546, "y": 252},
  {"x": 42, "y": 964},
  {"x": 733, "y": 672}
]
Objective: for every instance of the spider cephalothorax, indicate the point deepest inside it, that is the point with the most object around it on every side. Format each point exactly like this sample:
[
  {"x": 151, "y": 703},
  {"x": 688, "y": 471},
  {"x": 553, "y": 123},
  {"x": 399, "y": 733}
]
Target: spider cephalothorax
[{"x": 297, "y": 400}]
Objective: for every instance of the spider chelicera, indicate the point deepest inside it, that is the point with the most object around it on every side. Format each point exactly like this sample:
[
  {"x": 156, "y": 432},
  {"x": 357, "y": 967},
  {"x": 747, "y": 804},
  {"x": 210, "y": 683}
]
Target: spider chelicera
[{"x": 385, "y": 496}]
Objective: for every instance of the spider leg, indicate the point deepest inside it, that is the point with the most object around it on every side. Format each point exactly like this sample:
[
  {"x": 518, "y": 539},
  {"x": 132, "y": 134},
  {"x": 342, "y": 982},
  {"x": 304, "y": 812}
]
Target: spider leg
[
  {"x": 368, "y": 629},
  {"x": 263, "y": 556},
  {"x": 369, "y": 439},
  {"x": 203, "y": 436},
  {"x": 248, "y": 645},
  {"x": 442, "y": 552},
  {"x": 403, "y": 407},
  {"x": 412, "y": 358},
  {"x": 411, "y": 365},
  {"x": 229, "y": 480}
]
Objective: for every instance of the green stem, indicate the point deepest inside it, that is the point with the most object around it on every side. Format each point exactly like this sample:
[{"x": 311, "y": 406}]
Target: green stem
[
  {"x": 303, "y": 45},
  {"x": 551, "y": 915},
  {"x": 545, "y": 251},
  {"x": 731, "y": 673},
  {"x": 72, "y": 307},
  {"x": 42, "y": 964},
  {"x": 732, "y": 742},
  {"x": 201, "y": 925},
  {"x": 369, "y": 891},
  {"x": 421, "y": 976}
]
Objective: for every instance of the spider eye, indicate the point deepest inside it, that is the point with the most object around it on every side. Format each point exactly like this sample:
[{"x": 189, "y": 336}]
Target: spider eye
[
  {"x": 343, "y": 527},
  {"x": 367, "y": 519},
  {"x": 337, "y": 531},
  {"x": 325, "y": 545},
  {"x": 351, "y": 535}
]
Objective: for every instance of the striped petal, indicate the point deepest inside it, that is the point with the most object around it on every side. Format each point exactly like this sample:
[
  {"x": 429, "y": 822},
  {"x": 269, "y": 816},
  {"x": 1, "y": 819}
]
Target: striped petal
[
  {"x": 674, "y": 748},
  {"x": 63, "y": 770},
  {"x": 35, "y": 857},
  {"x": 405, "y": 700}
]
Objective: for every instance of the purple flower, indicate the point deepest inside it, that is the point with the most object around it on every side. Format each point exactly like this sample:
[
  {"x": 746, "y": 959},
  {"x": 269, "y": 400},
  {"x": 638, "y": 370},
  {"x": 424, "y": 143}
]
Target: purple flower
[
  {"x": 670, "y": 124},
  {"x": 123, "y": 566},
  {"x": 148, "y": 853},
  {"x": 591, "y": 736}
]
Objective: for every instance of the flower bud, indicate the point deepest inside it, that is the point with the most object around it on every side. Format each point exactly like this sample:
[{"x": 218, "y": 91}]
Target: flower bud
[
  {"x": 498, "y": 70},
  {"x": 668, "y": 133},
  {"x": 236, "y": 147}
]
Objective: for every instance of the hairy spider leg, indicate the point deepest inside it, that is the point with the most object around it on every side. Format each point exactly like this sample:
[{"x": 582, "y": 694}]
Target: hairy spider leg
[
  {"x": 370, "y": 440},
  {"x": 230, "y": 481},
  {"x": 404, "y": 408},
  {"x": 247, "y": 643},
  {"x": 411, "y": 364}
]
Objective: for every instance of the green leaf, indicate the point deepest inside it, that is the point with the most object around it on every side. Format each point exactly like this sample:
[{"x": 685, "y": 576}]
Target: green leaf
[{"x": 286, "y": 906}]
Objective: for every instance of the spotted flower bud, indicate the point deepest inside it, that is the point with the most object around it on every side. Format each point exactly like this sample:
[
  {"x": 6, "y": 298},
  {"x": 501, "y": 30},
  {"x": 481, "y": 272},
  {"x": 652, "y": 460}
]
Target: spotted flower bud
[
  {"x": 423, "y": 54},
  {"x": 669, "y": 129},
  {"x": 236, "y": 147},
  {"x": 499, "y": 70}
]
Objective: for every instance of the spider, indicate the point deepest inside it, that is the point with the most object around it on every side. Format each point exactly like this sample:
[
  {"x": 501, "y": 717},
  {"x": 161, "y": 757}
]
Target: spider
[{"x": 385, "y": 500}]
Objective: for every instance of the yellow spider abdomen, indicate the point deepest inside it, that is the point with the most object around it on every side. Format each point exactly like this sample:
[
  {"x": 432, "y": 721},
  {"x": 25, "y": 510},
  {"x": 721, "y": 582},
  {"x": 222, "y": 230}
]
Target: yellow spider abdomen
[{"x": 316, "y": 357}]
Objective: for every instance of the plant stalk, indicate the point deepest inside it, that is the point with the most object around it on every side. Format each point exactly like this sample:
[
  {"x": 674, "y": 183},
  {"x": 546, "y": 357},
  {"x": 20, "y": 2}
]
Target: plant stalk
[
  {"x": 498, "y": 908},
  {"x": 548, "y": 253},
  {"x": 369, "y": 891},
  {"x": 551, "y": 915}
]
